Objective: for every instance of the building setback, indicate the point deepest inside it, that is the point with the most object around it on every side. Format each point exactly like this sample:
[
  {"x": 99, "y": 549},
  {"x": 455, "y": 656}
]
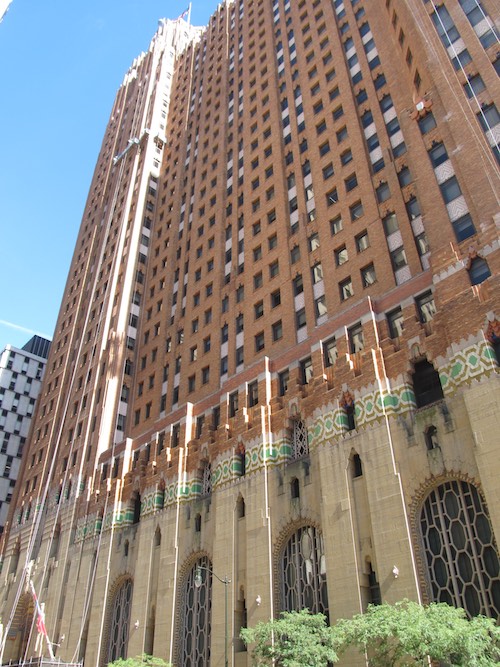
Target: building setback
[
  {"x": 274, "y": 376},
  {"x": 21, "y": 373}
]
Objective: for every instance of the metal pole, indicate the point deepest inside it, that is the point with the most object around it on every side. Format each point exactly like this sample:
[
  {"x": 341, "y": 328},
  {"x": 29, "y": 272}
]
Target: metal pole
[{"x": 226, "y": 582}]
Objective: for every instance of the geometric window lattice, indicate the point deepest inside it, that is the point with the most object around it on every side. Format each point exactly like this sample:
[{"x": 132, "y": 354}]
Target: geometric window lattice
[
  {"x": 460, "y": 549},
  {"x": 120, "y": 621},
  {"x": 300, "y": 444},
  {"x": 303, "y": 567},
  {"x": 196, "y": 621},
  {"x": 206, "y": 481}
]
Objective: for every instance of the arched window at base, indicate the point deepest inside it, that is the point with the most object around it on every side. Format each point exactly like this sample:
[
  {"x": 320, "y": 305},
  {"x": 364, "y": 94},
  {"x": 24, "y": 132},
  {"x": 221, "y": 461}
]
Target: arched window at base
[
  {"x": 120, "y": 621},
  {"x": 303, "y": 572},
  {"x": 460, "y": 550},
  {"x": 197, "y": 616}
]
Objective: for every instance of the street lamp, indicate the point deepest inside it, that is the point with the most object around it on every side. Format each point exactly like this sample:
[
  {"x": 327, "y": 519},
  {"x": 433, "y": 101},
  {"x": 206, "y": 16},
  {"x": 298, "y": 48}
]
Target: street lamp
[{"x": 198, "y": 580}]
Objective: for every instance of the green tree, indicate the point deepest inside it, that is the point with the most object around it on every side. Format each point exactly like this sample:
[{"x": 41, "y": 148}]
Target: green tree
[
  {"x": 297, "y": 639},
  {"x": 406, "y": 633},
  {"x": 143, "y": 660}
]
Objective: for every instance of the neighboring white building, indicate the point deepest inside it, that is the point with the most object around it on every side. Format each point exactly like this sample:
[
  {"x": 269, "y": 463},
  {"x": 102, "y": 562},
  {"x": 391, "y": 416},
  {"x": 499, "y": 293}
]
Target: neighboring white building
[
  {"x": 4, "y": 6},
  {"x": 21, "y": 372}
]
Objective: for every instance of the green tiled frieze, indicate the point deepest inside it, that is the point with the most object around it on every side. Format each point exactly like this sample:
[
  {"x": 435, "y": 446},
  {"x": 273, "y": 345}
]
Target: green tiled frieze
[
  {"x": 466, "y": 366},
  {"x": 329, "y": 422}
]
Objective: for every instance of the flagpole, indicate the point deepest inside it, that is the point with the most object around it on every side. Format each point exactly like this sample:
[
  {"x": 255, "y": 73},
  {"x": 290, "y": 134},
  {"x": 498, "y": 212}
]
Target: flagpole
[
  {"x": 189, "y": 14},
  {"x": 41, "y": 621}
]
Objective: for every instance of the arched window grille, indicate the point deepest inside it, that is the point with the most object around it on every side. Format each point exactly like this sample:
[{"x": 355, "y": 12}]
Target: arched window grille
[
  {"x": 303, "y": 571},
  {"x": 300, "y": 444},
  {"x": 197, "y": 615},
  {"x": 206, "y": 480},
  {"x": 120, "y": 622},
  {"x": 460, "y": 549}
]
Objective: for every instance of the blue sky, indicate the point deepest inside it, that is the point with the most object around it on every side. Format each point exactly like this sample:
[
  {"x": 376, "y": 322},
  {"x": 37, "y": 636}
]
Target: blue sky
[{"x": 62, "y": 62}]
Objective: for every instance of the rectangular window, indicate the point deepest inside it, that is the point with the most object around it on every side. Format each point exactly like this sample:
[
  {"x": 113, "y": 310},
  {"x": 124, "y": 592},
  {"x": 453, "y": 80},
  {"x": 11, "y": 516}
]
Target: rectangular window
[
  {"x": 346, "y": 157},
  {"x": 306, "y": 370},
  {"x": 298, "y": 285},
  {"x": 275, "y": 298},
  {"x": 336, "y": 225},
  {"x": 338, "y": 112},
  {"x": 223, "y": 365},
  {"x": 356, "y": 211},
  {"x": 274, "y": 269},
  {"x": 300, "y": 318},
  {"x": 355, "y": 337},
  {"x": 259, "y": 342},
  {"x": 321, "y": 127},
  {"x": 450, "y": 189},
  {"x": 368, "y": 276},
  {"x": 398, "y": 258},
  {"x": 332, "y": 197},
  {"x": 438, "y": 155},
  {"x": 413, "y": 208},
  {"x": 320, "y": 306},
  {"x": 383, "y": 192},
  {"x": 463, "y": 227},
  {"x": 489, "y": 117},
  {"x": 253, "y": 394},
  {"x": 317, "y": 273},
  {"x": 395, "y": 320},
  {"x": 425, "y": 306},
  {"x": 390, "y": 223},
  {"x": 404, "y": 177},
  {"x": 351, "y": 182},
  {"x": 324, "y": 148},
  {"x": 346, "y": 289},
  {"x": 283, "y": 380},
  {"x": 277, "y": 329},
  {"x": 341, "y": 255},
  {"x": 342, "y": 134},
  {"x": 330, "y": 353},
  {"x": 474, "y": 85},
  {"x": 427, "y": 123},
  {"x": 328, "y": 171},
  {"x": 362, "y": 241},
  {"x": 233, "y": 404}
]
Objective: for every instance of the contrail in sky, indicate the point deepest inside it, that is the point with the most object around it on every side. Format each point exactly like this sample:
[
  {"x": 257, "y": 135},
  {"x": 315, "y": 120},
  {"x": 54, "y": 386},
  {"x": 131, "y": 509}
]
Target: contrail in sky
[{"x": 20, "y": 328}]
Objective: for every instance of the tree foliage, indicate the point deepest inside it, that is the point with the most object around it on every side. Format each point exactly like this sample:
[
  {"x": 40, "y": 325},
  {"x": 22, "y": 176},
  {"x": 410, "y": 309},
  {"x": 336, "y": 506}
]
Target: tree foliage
[
  {"x": 294, "y": 640},
  {"x": 405, "y": 634},
  {"x": 143, "y": 660}
]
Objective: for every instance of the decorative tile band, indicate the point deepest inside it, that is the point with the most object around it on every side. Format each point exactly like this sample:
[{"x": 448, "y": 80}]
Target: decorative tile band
[
  {"x": 472, "y": 363},
  {"x": 475, "y": 361}
]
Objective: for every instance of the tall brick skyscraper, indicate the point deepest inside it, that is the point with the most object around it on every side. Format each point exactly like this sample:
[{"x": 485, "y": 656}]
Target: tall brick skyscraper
[{"x": 274, "y": 378}]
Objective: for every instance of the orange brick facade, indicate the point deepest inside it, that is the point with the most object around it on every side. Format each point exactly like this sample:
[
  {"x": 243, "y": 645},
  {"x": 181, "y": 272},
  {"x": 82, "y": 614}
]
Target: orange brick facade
[{"x": 291, "y": 238}]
